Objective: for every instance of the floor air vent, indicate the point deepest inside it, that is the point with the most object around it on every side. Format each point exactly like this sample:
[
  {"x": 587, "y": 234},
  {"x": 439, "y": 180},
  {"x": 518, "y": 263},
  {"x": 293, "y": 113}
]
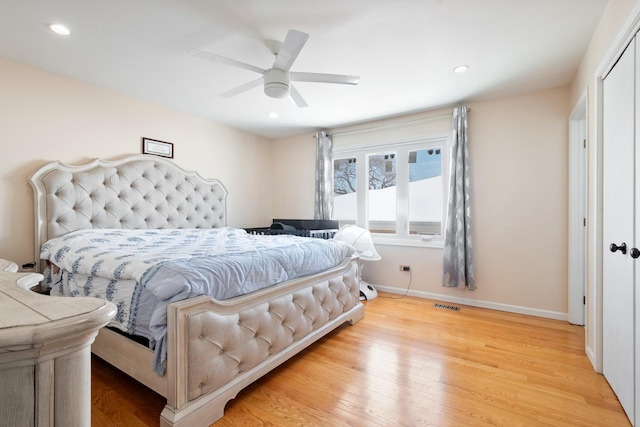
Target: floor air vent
[{"x": 447, "y": 307}]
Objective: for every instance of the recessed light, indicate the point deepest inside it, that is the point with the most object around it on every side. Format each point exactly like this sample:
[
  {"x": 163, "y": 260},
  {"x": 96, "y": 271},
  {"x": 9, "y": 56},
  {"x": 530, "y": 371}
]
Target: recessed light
[
  {"x": 59, "y": 29},
  {"x": 461, "y": 69},
  {"x": 273, "y": 115}
]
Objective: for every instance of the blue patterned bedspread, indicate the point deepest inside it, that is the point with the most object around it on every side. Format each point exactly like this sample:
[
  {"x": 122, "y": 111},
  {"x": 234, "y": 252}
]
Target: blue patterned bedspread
[{"x": 141, "y": 271}]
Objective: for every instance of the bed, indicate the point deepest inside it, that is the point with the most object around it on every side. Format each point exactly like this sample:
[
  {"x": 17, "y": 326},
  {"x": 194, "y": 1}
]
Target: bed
[{"x": 213, "y": 347}]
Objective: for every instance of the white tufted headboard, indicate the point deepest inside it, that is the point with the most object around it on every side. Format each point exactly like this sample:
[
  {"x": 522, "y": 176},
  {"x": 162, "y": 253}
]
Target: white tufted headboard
[{"x": 138, "y": 192}]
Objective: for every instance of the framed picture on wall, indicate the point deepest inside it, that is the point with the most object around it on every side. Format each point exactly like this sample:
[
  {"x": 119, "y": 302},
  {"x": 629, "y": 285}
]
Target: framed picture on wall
[{"x": 157, "y": 148}]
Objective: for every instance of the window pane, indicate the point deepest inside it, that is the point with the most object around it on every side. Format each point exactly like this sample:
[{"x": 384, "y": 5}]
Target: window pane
[
  {"x": 382, "y": 193},
  {"x": 344, "y": 191},
  {"x": 425, "y": 191}
]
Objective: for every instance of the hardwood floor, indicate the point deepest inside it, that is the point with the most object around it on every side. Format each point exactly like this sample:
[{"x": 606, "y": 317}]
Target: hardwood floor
[{"x": 407, "y": 363}]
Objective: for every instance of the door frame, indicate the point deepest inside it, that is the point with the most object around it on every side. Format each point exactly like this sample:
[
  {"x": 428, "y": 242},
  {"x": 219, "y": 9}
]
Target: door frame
[{"x": 577, "y": 210}]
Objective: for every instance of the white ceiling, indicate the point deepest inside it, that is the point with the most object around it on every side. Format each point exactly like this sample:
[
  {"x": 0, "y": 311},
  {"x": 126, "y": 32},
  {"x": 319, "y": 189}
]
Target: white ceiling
[{"x": 404, "y": 52}]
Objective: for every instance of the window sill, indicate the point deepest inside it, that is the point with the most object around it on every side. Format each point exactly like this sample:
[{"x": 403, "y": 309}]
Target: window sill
[{"x": 433, "y": 242}]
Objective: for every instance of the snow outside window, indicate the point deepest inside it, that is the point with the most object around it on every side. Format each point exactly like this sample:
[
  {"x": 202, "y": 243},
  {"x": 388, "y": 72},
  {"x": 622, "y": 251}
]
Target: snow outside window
[{"x": 396, "y": 190}]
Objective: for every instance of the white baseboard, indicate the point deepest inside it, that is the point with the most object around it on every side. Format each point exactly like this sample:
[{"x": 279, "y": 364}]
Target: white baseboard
[
  {"x": 592, "y": 358},
  {"x": 479, "y": 303}
]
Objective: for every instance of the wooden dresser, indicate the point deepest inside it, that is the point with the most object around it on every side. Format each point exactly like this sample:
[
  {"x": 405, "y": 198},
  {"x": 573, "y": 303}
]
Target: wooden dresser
[{"x": 45, "y": 353}]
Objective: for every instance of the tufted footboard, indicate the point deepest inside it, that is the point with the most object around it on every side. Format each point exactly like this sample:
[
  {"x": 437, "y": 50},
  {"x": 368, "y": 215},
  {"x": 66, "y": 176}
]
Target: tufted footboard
[{"x": 216, "y": 348}]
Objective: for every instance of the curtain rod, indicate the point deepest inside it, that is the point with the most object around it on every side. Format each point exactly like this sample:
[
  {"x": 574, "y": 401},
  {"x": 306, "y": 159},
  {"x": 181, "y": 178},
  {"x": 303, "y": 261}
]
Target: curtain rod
[{"x": 393, "y": 124}]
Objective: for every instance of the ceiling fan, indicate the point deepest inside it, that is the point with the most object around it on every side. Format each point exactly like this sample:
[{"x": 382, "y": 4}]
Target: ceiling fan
[{"x": 277, "y": 80}]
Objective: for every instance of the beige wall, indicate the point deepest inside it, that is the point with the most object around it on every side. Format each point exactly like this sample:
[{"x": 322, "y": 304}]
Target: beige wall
[
  {"x": 519, "y": 158},
  {"x": 293, "y": 176},
  {"x": 46, "y": 117},
  {"x": 519, "y": 167}
]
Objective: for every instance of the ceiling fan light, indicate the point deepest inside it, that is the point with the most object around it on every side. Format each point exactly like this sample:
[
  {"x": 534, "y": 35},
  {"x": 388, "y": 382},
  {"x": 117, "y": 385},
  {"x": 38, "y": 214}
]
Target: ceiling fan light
[
  {"x": 276, "y": 83},
  {"x": 276, "y": 89}
]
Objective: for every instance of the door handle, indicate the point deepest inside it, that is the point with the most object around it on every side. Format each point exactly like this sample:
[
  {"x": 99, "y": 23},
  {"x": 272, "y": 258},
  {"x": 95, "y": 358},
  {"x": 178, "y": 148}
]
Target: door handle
[
  {"x": 622, "y": 248},
  {"x": 635, "y": 253}
]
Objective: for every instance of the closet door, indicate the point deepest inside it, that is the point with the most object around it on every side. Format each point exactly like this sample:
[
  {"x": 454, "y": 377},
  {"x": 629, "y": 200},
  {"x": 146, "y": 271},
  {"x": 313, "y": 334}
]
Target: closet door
[
  {"x": 618, "y": 297},
  {"x": 635, "y": 250}
]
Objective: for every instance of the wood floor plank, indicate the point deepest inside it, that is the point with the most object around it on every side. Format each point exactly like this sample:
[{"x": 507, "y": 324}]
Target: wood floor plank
[{"x": 408, "y": 363}]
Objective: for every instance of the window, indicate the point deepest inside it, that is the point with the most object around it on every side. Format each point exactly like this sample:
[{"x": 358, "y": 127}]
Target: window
[
  {"x": 425, "y": 191},
  {"x": 396, "y": 190},
  {"x": 382, "y": 212},
  {"x": 344, "y": 190}
]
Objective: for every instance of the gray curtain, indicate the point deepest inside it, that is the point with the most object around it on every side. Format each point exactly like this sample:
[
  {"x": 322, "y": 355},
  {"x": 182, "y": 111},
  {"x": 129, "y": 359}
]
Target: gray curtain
[
  {"x": 458, "y": 241},
  {"x": 324, "y": 176}
]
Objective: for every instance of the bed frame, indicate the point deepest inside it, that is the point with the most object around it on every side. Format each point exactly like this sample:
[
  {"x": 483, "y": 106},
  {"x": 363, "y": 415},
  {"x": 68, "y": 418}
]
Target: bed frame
[{"x": 215, "y": 348}]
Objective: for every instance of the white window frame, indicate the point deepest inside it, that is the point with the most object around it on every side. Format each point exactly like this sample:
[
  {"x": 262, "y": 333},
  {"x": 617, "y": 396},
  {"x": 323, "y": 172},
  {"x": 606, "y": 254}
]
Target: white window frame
[{"x": 402, "y": 149}]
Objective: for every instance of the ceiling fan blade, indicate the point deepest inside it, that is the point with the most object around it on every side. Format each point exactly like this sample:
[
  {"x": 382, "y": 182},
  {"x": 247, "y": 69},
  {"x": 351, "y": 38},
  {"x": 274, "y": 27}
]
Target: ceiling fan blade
[
  {"x": 242, "y": 88},
  {"x": 296, "y": 97},
  {"x": 221, "y": 59},
  {"x": 291, "y": 47},
  {"x": 324, "y": 78}
]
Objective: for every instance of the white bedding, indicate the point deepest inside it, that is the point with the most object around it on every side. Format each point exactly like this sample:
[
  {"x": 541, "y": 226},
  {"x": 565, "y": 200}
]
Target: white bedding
[{"x": 141, "y": 271}]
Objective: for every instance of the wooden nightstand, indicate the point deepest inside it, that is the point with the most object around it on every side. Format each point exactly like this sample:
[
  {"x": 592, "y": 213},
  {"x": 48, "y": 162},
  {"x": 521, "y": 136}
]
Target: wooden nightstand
[{"x": 45, "y": 352}]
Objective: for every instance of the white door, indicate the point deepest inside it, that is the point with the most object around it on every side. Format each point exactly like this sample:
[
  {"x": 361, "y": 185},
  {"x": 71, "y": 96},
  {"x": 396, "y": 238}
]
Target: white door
[
  {"x": 618, "y": 297},
  {"x": 635, "y": 252},
  {"x": 577, "y": 212}
]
